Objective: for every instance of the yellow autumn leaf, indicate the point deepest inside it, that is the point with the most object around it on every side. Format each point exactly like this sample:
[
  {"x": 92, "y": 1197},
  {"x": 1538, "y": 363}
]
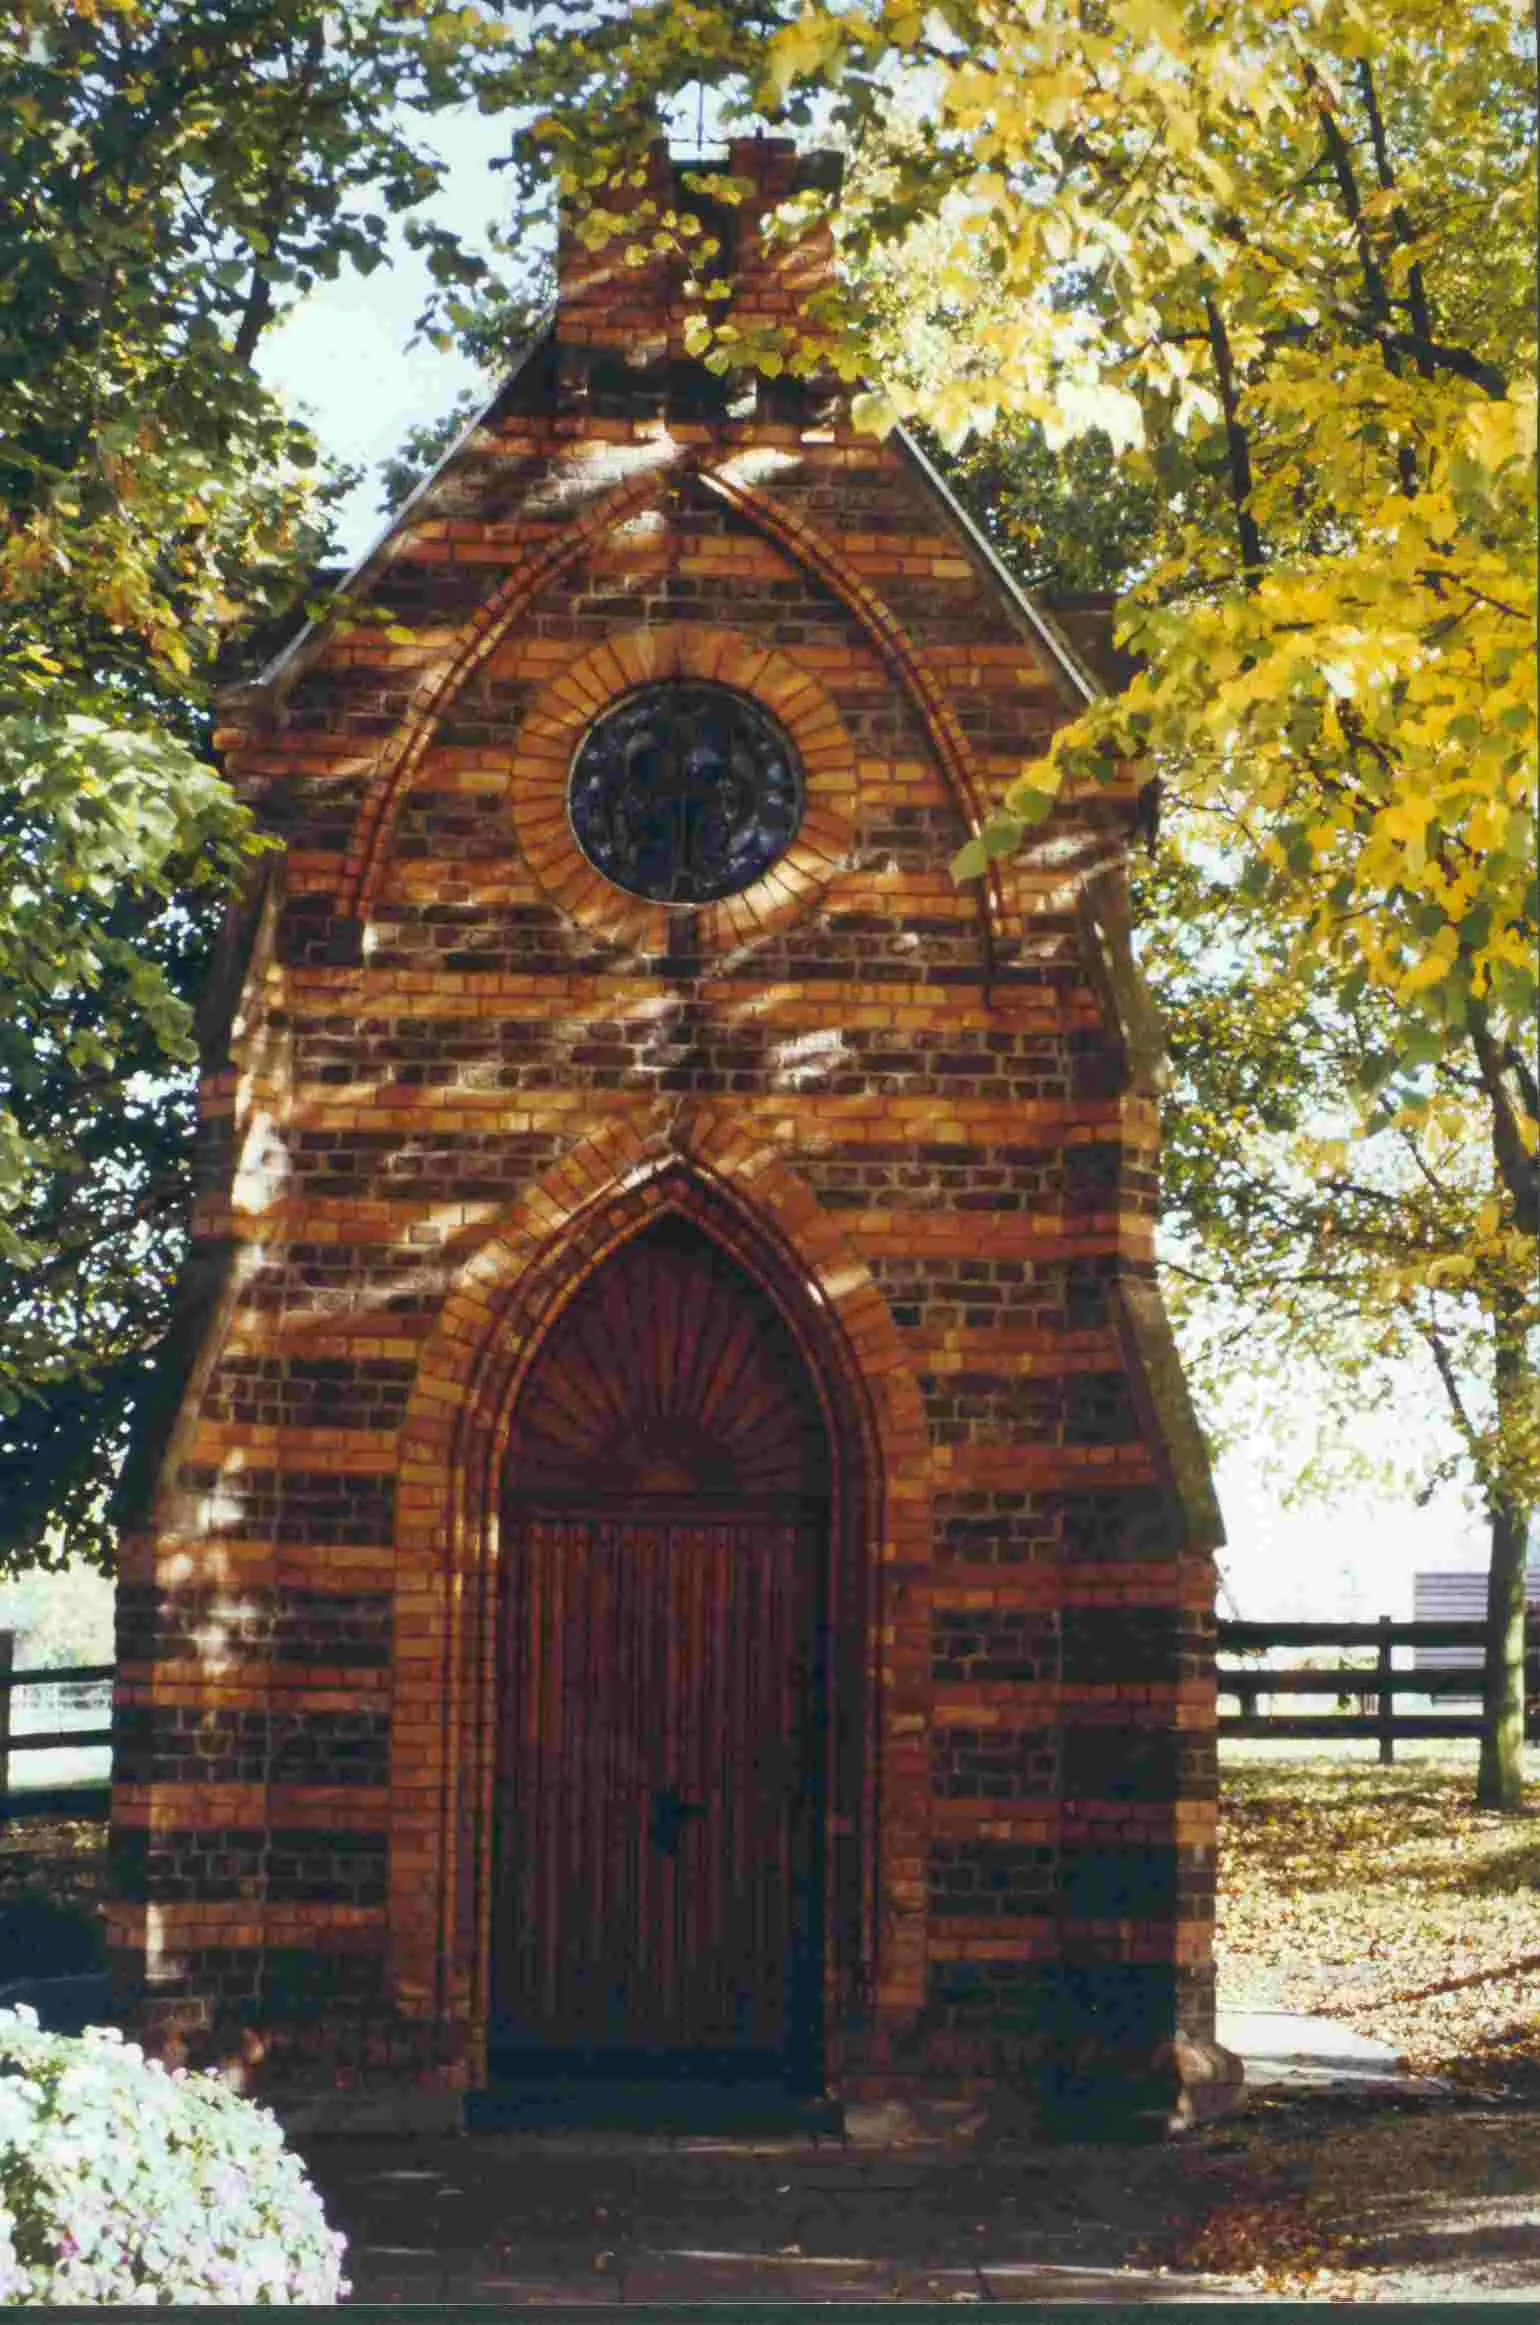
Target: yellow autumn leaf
[
  {"x": 813, "y": 45},
  {"x": 874, "y": 413},
  {"x": 1500, "y": 431}
]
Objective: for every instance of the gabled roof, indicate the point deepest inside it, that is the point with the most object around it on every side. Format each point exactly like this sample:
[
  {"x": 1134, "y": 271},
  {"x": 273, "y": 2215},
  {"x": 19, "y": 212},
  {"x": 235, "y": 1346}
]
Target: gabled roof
[{"x": 291, "y": 659}]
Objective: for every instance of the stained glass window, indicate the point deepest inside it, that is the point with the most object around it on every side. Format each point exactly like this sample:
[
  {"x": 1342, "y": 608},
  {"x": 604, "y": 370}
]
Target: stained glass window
[{"x": 684, "y": 792}]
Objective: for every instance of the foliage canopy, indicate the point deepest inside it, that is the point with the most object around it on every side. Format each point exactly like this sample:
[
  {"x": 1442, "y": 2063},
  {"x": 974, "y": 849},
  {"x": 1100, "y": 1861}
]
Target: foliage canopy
[
  {"x": 1245, "y": 301},
  {"x": 1279, "y": 262},
  {"x": 172, "y": 177}
]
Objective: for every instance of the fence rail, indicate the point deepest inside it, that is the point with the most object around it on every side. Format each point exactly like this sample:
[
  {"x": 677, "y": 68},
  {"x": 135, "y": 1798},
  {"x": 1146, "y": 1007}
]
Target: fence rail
[
  {"x": 1378, "y": 1684},
  {"x": 87, "y": 1798}
]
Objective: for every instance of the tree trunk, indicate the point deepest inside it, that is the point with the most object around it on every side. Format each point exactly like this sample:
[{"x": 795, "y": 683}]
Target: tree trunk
[
  {"x": 1500, "y": 1775},
  {"x": 1509, "y": 1486}
]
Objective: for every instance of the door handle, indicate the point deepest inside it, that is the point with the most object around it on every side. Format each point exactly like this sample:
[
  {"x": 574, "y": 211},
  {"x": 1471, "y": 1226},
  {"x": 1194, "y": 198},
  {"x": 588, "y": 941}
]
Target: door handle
[{"x": 670, "y": 1814}]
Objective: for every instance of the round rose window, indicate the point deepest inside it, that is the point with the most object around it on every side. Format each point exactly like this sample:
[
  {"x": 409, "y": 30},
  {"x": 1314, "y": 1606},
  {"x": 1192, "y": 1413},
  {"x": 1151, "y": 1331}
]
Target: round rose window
[{"x": 685, "y": 792}]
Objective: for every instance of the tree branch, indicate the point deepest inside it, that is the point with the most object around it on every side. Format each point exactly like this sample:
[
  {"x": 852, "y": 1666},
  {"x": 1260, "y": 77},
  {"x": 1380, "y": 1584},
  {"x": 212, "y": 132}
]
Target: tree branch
[
  {"x": 1393, "y": 343},
  {"x": 1519, "y": 1170},
  {"x": 1446, "y": 1373},
  {"x": 1421, "y": 1161},
  {"x": 1459, "y": 360},
  {"x": 1375, "y": 287},
  {"x": 1238, "y": 444},
  {"x": 1529, "y": 1089},
  {"x": 258, "y": 310},
  {"x": 1416, "y": 289}
]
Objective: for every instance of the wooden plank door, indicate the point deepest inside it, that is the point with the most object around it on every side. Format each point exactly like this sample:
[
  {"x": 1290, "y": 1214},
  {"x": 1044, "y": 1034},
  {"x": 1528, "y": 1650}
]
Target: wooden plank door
[{"x": 658, "y": 1892}]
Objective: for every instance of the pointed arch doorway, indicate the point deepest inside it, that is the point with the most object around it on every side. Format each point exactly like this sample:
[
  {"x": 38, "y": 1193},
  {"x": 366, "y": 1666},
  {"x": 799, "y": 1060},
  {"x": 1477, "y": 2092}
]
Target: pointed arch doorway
[{"x": 664, "y": 1673}]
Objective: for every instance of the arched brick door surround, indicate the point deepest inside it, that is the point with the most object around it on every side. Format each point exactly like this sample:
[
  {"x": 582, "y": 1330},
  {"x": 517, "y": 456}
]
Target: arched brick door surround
[{"x": 453, "y": 1446}]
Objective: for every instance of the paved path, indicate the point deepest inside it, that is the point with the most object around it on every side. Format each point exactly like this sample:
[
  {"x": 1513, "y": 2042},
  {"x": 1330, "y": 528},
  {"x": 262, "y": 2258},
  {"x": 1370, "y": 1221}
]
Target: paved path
[
  {"x": 612, "y": 2219},
  {"x": 604, "y": 2221},
  {"x": 1281, "y": 2049}
]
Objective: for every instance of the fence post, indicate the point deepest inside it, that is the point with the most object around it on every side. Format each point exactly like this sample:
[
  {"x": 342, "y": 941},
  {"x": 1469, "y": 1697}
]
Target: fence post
[
  {"x": 1387, "y": 1701},
  {"x": 7, "y": 1664}
]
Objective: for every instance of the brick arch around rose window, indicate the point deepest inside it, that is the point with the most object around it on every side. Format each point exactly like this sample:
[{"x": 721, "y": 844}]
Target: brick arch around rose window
[
  {"x": 484, "y": 630},
  {"x": 452, "y": 1447},
  {"x": 564, "y": 709}
]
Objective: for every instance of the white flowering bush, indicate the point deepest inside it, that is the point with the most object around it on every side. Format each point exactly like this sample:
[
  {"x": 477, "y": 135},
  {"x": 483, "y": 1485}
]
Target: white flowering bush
[{"x": 124, "y": 2182}]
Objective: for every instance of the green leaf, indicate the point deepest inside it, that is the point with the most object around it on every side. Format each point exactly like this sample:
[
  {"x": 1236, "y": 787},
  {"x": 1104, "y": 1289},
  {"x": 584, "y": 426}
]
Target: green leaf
[{"x": 1029, "y": 804}]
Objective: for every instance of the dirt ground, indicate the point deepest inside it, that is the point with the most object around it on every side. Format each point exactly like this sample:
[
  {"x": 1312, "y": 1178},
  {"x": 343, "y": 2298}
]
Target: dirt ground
[
  {"x": 1382, "y": 1898},
  {"x": 1353, "y": 2198},
  {"x": 1316, "y": 2199}
]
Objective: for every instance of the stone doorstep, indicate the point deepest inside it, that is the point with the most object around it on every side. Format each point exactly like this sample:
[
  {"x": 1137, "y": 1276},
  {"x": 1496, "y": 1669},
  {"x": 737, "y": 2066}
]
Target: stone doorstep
[
  {"x": 1256, "y": 2050},
  {"x": 896, "y": 2124},
  {"x": 405, "y": 2111},
  {"x": 885, "y": 2127}
]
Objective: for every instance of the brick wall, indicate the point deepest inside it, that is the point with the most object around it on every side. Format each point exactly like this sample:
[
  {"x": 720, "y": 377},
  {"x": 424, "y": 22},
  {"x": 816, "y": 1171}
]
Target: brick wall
[{"x": 458, "y": 1068}]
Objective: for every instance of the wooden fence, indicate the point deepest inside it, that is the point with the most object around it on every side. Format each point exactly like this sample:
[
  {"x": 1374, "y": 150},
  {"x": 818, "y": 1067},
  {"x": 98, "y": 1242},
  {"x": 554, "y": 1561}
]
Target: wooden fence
[
  {"x": 1374, "y": 1687},
  {"x": 88, "y": 1799}
]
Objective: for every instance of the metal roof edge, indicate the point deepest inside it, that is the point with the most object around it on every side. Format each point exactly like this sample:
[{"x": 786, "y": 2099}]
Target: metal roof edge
[{"x": 293, "y": 659}]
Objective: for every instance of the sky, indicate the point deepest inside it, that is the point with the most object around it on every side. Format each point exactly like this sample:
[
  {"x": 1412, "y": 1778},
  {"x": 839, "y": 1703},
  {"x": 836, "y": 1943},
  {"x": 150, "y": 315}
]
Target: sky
[
  {"x": 344, "y": 355},
  {"x": 1351, "y": 1558},
  {"x": 343, "y": 352}
]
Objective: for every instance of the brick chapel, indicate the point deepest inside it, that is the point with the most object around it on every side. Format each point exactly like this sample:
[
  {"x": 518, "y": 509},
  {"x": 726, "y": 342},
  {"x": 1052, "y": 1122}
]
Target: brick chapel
[{"x": 674, "y": 1542}]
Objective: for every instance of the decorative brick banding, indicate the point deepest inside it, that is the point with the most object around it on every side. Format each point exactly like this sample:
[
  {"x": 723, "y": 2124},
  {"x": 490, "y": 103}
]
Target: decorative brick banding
[
  {"x": 813, "y": 724},
  {"x": 456, "y": 1073}
]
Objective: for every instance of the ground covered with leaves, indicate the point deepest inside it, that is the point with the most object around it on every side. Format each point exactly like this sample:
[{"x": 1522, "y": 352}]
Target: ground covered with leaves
[
  {"x": 1381, "y": 1897},
  {"x": 1359, "y": 2199},
  {"x": 53, "y": 1888},
  {"x": 61, "y": 1860}
]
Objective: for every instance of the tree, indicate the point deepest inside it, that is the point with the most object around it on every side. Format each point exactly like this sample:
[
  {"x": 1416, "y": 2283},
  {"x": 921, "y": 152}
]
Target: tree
[
  {"x": 59, "y": 1617},
  {"x": 172, "y": 175},
  {"x": 1280, "y": 260},
  {"x": 1357, "y": 1239},
  {"x": 1272, "y": 270},
  {"x": 110, "y": 841},
  {"x": 1321, "y": 1220}
]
